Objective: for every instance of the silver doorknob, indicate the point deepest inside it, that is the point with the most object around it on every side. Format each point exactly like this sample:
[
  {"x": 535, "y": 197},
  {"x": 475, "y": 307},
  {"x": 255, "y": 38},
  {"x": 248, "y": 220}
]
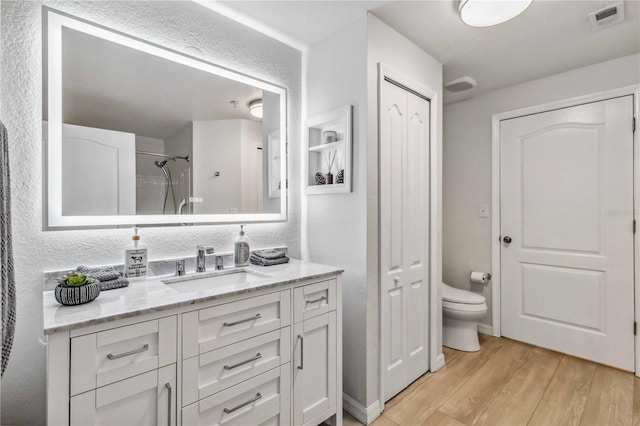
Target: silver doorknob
[{"x": 507, "y": 239}]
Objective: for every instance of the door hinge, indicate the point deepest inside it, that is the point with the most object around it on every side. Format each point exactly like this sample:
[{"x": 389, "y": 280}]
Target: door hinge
[
  {"x": 634, "y": 226},
  {"x": 634, "y": 124},
  {"x": 635, "y": 328}
]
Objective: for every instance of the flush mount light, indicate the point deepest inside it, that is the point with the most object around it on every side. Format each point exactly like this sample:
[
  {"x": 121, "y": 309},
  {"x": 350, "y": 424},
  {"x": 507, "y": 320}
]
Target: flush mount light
[
  {"x": 255, "y": 108},
  {"x": 484, "y": 13}
]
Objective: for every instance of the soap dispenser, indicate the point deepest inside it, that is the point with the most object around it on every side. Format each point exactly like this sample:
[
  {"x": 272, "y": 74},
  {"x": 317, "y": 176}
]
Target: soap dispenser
[
  {"x": 241, "y": 251},
  {"x": 135, "y": 258}
]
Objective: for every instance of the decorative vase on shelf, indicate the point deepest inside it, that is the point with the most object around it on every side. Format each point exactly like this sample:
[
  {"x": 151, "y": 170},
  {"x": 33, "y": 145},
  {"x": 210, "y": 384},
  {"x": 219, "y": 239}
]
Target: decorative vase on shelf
[
  {"x": 329, "y": 178},
  {"x": 319, "y": 179},
  {"x": 340, "y": 176}
]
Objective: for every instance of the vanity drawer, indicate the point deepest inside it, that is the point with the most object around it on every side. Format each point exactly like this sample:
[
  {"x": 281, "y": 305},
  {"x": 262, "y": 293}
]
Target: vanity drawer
[
  {"x": 214, "y": 371},
  {"x": 245, "y": 403},
  {"x": 314, "y": 299},
  {"x": 98, "y": 359},
  {"x": 218, "y": 326}
]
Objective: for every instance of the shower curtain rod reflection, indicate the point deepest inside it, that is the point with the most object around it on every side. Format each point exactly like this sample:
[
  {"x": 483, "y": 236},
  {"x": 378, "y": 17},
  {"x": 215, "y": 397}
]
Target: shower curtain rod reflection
[{"x": 157, "y": 154}]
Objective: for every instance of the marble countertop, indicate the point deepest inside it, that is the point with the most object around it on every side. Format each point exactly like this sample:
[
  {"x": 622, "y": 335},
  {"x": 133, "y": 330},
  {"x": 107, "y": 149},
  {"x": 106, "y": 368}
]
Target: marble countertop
[{"x": 153, "y": 295}]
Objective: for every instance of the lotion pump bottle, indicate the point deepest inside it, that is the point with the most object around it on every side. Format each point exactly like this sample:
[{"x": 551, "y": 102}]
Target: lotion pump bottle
[
  {"x": 241, "y": 251},
  {"x": 135, "y": 258}
]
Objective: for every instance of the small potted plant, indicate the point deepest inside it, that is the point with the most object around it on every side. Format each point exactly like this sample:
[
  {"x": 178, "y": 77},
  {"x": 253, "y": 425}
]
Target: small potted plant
[{"x": 76, "y": 289}]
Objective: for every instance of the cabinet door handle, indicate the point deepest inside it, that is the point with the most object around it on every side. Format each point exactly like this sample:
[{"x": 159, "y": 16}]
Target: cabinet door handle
[
  {"x": 237, "y": 407},
  {"x": 301, "y": 366},
  {"x": 317, "y": 300},
  {"x": 168, "y": 386},
  {"x": 133, "y": 352},
  {"x": 231, "y": 367},
  {"x": 229, "y": 324}
]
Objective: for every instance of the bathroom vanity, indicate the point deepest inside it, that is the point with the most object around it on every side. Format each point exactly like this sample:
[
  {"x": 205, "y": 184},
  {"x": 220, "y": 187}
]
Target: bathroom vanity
[{"x": 248, "y": 346}]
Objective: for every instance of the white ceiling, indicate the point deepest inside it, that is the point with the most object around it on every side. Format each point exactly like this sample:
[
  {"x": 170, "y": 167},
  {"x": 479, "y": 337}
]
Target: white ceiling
[{"x": 550, "y": 37}]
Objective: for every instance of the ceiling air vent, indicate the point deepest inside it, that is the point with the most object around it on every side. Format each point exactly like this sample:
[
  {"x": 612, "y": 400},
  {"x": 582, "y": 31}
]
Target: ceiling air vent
[
  {"x": 460, "y": 84},
  {"x": 608, "y": 16}
]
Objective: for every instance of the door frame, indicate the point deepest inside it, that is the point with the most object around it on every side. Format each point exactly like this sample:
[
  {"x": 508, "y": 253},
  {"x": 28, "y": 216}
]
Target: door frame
[
  {"x": 634, "y": 91},
  {"x": 436, "y": 357}
]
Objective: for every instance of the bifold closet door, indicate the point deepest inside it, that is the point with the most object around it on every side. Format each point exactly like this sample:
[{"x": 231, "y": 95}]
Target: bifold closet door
[{"x": 404, "y": 236}]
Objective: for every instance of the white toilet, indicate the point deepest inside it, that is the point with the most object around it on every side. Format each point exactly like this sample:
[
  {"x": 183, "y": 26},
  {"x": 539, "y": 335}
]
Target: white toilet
[{"x": 461, "y": 310}]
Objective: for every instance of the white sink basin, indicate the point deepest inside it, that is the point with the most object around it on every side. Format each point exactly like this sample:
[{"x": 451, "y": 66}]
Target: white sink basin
[{"x": 235, "y": 278}]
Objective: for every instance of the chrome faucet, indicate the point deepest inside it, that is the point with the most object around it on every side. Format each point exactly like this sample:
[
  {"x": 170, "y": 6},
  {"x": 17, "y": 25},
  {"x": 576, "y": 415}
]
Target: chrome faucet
[{"x": 201, "y": 257}]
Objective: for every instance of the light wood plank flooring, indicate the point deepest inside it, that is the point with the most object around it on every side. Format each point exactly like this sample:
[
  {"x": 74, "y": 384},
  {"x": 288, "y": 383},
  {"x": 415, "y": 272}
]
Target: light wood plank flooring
[{"x": 511, "y": 383}]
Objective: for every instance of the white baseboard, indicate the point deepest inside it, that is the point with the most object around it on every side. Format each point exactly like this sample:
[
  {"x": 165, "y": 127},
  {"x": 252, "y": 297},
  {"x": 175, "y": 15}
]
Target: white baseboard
[
  {"x": 485, "y": 329},
  {"x": 437, "y": 363},
  {"x": 365, "y": 415}
]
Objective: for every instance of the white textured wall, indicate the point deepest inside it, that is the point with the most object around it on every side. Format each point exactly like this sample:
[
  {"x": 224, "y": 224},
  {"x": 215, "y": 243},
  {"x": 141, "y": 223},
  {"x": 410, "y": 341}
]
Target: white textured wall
[
  {"x": 391, "y": 48},
  {"x": 336, "y": 225},
  {"x": 467, "y": 159},
  {"x": 177, "y": 25}
]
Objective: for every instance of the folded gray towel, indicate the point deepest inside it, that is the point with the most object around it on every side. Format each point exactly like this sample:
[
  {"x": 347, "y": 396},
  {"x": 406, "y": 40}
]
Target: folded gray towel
[
  {"x": 270, "y": 253},
  {"x": 111, "y": 284},
  {"x": 268, "y": 262},
  {"x": 104, "y": 273}
]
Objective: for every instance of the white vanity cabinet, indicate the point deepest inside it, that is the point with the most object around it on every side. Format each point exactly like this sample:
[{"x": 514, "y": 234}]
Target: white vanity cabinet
[
  {"x": 268, "y": 357},
  {"x": 315, "y": 372}
]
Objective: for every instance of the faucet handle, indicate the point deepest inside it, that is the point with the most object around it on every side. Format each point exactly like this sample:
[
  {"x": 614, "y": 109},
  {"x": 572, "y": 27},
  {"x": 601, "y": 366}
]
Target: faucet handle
[
  {"x": 206, "y": 249},
  {"x": 219, "y": 262},
  {"x": 180, "y": 267}
]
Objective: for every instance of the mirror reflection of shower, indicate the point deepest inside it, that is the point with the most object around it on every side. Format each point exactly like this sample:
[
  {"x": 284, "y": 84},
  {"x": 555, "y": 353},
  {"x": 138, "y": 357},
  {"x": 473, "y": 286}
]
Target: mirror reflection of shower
[{"x": 175, "y": 191}]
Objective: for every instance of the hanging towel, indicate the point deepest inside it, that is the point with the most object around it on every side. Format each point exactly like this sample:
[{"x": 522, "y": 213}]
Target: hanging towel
[{"x": 7, "y": 279}]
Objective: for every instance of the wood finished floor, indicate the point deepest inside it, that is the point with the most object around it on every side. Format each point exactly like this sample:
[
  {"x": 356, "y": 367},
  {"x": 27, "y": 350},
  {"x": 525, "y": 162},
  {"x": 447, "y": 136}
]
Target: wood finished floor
[{"x": 511, "y": 383}]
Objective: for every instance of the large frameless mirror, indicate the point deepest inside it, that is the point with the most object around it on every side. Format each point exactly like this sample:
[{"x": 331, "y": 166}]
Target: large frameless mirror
[{"x": 139, "y": 134}]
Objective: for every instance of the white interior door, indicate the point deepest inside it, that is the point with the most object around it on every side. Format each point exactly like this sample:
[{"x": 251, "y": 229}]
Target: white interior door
[
  {"x": 404, "y": 236},
  {"x": 566, "y": 189},
  {"x": 98, "y": 171}
]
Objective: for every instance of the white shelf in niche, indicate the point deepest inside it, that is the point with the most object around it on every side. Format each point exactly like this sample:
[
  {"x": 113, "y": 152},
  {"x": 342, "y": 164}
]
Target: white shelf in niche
[
  {"x": 319, "y": 153},
  {"x": 327, "y": 146}
]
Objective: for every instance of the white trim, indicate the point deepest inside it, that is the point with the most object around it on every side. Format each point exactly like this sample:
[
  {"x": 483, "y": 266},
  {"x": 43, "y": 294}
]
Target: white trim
[
  {"x": 438, "y": 363},
  {"x": 436, "y": 358},
  {"x": 485, "y": 329},
  {"x": 636, "y": 212},
  {"x": 633, "y": 90},
  {"x": 365, "y": 415}
]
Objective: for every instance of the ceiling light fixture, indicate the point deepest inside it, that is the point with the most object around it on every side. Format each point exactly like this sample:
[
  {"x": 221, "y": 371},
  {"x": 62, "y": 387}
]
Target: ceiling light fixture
[
  {"x": 255, "y": 108},
  {"x": 484, "y": 13}
]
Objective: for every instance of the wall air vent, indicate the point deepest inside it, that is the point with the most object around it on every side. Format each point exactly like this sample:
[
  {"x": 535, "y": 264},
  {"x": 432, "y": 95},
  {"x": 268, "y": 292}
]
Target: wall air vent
[
  {"x": 608, "y": 16},
  {"x": 460, "y": 84}
]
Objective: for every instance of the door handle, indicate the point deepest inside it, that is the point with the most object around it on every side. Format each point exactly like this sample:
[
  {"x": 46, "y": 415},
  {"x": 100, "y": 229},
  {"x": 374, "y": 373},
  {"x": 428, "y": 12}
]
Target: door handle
[{"x": 507, "y": 239}]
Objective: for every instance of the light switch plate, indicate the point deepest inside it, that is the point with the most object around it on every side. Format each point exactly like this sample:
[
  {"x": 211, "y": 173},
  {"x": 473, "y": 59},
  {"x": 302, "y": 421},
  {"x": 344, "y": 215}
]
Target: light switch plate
[{"x": 484, "y": 210}]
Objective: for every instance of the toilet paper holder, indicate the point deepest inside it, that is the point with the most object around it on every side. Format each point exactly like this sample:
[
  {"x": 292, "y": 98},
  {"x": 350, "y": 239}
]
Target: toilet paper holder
[{"x": 480, "y": 277}]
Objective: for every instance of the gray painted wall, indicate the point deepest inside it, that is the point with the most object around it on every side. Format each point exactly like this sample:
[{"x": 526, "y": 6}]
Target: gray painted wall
[
  {"x": 467, "y": 159},
  {"x": 177, "y": 25}
]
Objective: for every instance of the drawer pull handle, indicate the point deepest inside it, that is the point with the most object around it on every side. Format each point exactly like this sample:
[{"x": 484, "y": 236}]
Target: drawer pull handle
[
  {"x": 237, "y": 407},
  {"x": 229, "y": 324},
  {"x": 168, "y": 386},
  {"x": 317, "y": 300},
  {"x": 301, "y": 366},
  {"x": 133, "y": 352},
  {"x": 231, "y": 367}
]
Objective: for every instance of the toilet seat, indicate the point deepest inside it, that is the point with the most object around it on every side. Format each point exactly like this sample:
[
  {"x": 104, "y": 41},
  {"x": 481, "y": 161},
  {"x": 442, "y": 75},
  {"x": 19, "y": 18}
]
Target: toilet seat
[
  {"x": 464, "y": 307},
  {"x": 457, "y": 296}
]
